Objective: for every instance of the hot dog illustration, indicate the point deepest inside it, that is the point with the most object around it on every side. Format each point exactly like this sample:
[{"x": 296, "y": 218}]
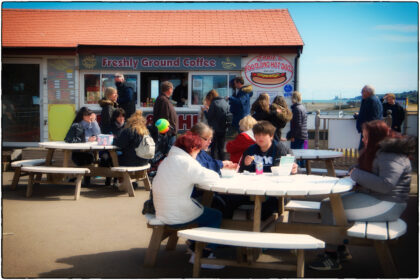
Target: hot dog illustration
[{"x": 268, "y": 78}]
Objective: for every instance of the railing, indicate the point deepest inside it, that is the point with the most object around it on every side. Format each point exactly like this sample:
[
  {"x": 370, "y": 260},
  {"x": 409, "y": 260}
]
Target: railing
[{"x": 340, "y": 134}]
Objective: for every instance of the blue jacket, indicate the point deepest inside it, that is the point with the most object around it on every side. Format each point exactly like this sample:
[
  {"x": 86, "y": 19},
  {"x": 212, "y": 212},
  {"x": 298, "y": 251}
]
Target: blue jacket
[
  {"x": 370, "y": 109},
  {"x": 240, "y": 104},
  {"x": 208, "y": 162}
]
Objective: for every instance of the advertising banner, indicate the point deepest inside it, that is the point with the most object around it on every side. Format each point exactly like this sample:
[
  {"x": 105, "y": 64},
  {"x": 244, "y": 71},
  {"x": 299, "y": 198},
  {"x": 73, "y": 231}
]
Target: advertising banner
[{"x": 160, "y": 63}]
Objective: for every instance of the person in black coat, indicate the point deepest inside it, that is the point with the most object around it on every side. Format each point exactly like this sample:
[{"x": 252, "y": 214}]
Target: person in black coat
[
  {"x": 298, "y": 125},
  {"x": 108, "y": 104},
  {"x": 398, "y": 112},
  {"x": 218, "y": 117},
  {"x": 130, "y": 138},
  {"x": 126, "y": 96},
  {"x": 116, "y": 123}
]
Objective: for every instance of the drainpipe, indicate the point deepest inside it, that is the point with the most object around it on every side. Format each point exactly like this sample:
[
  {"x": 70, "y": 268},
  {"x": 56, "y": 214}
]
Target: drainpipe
[{"x": 296, "y": 83}]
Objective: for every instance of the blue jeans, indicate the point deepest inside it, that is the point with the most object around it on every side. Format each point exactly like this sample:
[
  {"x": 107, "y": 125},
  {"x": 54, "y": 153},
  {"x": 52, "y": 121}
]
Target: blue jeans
[
  {"x": 298, "y": 144},
  {"x": 210, "y": 218}
]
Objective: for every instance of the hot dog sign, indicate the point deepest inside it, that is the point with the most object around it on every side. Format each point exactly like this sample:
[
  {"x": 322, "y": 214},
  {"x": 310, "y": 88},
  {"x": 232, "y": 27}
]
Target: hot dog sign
[{"x": 269, "y": 71}]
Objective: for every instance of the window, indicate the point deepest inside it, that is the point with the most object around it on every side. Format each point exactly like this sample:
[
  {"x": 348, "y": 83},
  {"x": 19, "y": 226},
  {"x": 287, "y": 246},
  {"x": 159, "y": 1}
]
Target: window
[
  {"x": 95, "y": 85},
  {"x": 202, "y": 84}
]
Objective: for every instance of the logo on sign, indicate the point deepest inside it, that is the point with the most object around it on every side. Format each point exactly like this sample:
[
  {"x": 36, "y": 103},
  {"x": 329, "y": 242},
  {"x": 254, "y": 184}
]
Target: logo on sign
[
  {"x": 269, "y": 71},
  {"x": 288, "y": 88},
  {"x": 89, "y": 61}
]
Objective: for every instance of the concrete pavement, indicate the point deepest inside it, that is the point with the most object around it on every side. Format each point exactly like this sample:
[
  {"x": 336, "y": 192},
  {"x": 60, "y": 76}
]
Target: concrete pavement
[{"x": 104, "y": 235}]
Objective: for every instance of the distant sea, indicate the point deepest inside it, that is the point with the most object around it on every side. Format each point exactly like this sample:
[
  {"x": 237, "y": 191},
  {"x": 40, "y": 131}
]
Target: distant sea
[{"x": 322, "y": 101}]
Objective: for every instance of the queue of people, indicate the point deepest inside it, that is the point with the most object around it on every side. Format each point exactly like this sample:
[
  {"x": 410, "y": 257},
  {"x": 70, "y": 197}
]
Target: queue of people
[{"x": 383, "y": 172}]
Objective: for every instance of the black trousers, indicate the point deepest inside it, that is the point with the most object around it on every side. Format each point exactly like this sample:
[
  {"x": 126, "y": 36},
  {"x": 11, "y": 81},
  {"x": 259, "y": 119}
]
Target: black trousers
[{"x": 218, "y": 145}]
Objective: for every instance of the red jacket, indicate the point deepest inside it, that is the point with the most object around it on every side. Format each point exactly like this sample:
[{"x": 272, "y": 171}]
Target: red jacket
[{"x": 238, "y": 146}]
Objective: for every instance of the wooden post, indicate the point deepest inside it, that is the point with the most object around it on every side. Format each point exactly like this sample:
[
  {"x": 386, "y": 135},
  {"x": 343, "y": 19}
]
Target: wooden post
[
  {"x": 405, "y": 123},
  {"x": 317, "y": 123}
]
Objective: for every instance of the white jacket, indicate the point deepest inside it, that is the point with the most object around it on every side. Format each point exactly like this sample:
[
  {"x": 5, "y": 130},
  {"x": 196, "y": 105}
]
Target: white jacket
[{"x": 173, "y": 185}]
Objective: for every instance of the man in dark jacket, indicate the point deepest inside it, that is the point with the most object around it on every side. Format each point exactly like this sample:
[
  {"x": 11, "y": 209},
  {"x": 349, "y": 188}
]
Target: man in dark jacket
[
  {"x": 163, "y": 109},
  {"x": 126, "y": 97},
  {"x": 370, "y": 109},
  {"x": 181, "y": 93},
  {"x": 398, "y": 112},
  {"x": 218, "y": 117},
  {"x": 240, "y": 102}
]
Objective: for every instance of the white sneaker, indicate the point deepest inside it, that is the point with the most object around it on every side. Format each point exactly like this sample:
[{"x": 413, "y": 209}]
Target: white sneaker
[{"x": 205, "y": 265}]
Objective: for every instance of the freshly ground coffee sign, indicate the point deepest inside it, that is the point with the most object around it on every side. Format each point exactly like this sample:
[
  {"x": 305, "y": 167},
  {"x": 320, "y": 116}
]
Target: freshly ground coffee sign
[
  {"x": 90, "y": 62},
  {"x": 269, "y": 71}
]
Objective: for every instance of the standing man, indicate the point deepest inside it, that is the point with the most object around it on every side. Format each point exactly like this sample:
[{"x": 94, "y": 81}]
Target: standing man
[
  {"x": 370, "y": 109},
  {"x": 181, "y": 93},
  {"x": 240, "y": 101},
  {"x": 163, "y": 109},
  {"x": 126, "y": 97},
  {"x": 398, "y": 112}
]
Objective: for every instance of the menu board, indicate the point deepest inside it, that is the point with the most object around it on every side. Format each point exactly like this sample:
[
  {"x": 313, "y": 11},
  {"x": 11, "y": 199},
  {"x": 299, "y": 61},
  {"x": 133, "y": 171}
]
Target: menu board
[{"x": 61, "y": 81}]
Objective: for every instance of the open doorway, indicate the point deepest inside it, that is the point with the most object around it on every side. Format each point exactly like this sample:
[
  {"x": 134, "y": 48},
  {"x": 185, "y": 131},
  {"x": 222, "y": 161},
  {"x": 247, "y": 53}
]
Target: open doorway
[{"x": 150, "y": 85}]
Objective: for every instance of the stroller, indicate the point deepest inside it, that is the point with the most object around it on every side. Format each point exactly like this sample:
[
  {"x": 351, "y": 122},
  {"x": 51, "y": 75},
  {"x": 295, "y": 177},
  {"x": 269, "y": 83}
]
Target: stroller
[{"x": 162, "y": 149}]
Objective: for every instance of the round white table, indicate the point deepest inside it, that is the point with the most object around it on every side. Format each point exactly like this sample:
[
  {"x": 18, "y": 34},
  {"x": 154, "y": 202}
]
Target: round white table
[
  {"x": 267, "y": 184},
  {"x": 67, "y": 148},
  {"x": 327, "y": 156}
]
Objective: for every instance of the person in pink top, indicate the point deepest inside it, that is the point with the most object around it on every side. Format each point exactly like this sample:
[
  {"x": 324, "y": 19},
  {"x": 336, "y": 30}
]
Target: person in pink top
[{"x": 244, "y": 139}]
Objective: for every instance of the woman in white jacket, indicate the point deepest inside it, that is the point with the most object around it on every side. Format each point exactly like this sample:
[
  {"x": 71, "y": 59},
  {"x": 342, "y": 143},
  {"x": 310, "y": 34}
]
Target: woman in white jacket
[{"x": 174, "y": 183}]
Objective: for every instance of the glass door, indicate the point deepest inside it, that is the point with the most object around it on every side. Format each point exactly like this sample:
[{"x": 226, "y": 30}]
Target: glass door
[{"x": 20, "y": 103}]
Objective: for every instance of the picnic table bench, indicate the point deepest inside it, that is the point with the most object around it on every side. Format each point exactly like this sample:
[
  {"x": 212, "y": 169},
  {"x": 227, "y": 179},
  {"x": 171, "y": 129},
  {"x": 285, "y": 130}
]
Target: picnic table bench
[
  {"x": 249, "y": 239},
  {"x": 379, "y": 234},
  {"x": 33, "y": 170}
]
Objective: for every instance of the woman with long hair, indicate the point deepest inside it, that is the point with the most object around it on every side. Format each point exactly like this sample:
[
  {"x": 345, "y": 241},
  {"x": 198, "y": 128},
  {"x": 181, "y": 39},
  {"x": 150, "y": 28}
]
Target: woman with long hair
[
  {"x": 260, "y": 109},
  {"x": 108, "y": 104},
  {"x": 280, "y": 115},
  {"x": 383, "y": 177},
  {"x": 130, "y": 138}
]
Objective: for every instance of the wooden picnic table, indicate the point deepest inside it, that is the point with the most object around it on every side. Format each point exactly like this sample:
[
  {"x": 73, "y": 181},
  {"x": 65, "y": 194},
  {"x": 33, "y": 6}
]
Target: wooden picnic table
[
  {"x": 301, "y": 186},
  {"x": 327, "y": 156}
]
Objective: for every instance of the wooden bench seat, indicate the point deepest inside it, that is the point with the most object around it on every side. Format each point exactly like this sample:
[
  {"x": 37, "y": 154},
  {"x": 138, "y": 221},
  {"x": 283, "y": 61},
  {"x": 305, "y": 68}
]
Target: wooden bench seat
[
  {"x": 132, "y": 174},
  {"x": 380, "y": 233},
  {"x": 17, "y": 165},
  {"x": 32, "y": 170},
  {"x": 161, "y": 231},
  {"x": 249, "y": 239}
]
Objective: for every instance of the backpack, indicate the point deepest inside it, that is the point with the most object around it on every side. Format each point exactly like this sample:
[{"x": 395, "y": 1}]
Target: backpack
[{"x": 146, "y": 148}]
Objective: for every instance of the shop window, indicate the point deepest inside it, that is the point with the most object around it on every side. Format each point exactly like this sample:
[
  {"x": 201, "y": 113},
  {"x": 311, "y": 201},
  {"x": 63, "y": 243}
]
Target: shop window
[
  {"x": 95, "y": 85},
  {"x": 202, "y": 84}
]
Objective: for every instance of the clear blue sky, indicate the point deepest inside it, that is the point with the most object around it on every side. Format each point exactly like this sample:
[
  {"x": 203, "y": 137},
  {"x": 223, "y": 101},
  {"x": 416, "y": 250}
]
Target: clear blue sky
[{"x": 347, "y": 44}]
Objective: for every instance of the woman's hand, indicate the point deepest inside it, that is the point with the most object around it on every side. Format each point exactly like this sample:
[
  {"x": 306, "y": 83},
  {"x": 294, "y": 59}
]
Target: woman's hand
[
  {"x": 248, "y": 160},
  {"x": 294, "y": 168},
  {"x": 229, "y": 165},
  {"x": 93, "y": 117},
  {"x": 92, "y": 139}
]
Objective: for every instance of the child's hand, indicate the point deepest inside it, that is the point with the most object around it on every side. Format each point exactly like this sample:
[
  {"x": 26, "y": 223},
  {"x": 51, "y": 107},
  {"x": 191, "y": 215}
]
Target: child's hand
[{"x": 248, "y": 160}]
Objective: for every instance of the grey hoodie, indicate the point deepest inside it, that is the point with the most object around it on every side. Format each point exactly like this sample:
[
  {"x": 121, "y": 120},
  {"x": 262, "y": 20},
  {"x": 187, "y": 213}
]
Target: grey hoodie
[{"x": 390, "y": 178}]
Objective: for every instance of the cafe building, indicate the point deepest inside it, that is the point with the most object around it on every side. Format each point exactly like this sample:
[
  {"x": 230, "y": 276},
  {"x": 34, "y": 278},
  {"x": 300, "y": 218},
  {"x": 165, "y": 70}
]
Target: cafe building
[{"x": 57, "y": 61}]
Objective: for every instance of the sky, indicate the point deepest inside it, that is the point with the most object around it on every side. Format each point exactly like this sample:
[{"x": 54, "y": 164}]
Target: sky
[{"x": 346, "y": 44}]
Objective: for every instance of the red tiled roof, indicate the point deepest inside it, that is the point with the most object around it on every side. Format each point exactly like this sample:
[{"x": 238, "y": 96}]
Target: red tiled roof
[{"x": 70, "y": 28}]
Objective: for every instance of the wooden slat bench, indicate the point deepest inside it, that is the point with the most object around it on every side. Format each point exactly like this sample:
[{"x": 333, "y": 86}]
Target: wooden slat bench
[
  {"x": 39, "y": 170},
  {"x": 131, "y": 174},
  {"x": 17, "y": 165},
  {"x": 380, "y": 233},
  {"x": 250, "y": 239},
  {"x": 294, "y": 206},
  {"x": 161, "y": 231}
]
